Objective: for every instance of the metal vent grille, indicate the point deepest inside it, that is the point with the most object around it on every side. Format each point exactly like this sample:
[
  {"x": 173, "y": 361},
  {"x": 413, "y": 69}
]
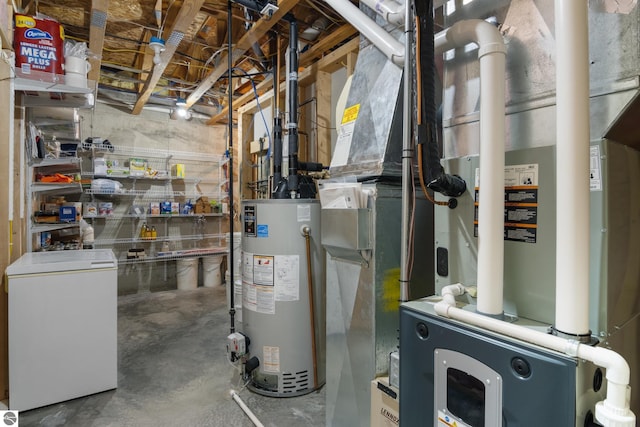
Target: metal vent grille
[
  {"x": 98, "y": 18},
  {"x": 294, "y": 383},
  {"x": 175, "y": 38}
]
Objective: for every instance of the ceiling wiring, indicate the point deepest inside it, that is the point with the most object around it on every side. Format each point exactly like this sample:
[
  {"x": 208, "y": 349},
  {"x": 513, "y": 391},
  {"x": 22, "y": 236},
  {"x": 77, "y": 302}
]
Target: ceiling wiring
[{"x": 200, "y": 51}]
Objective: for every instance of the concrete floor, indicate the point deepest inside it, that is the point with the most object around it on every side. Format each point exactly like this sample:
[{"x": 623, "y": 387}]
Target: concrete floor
[{"x": 173, "y": 371}]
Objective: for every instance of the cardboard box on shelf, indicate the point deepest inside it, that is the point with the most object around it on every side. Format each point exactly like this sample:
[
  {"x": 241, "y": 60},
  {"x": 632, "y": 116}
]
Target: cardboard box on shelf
[
  {"x": 105, "y": 208},
  {"x": 165, "y": 207},
  {"x": 202, "y": 205},
  {"x": 154, "y": 208},
  {"x": 90, "y": 209},
  {"x": 109, "y": 167},
  {"x": 137, "y": 167},
  {"x": 177, "y": 171},
  {"x": 67, "y": 214},
  {"x": 78, "y": 206}
]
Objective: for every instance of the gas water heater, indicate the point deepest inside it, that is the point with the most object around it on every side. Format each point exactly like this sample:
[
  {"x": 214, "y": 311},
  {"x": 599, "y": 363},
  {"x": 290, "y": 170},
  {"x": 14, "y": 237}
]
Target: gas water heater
[{"x": 283, "y": 295}]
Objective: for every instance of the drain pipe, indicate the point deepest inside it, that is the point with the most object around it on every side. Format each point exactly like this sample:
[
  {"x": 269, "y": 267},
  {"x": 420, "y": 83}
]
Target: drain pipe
[
  {"x": 234, "y": 395},
  {"x": 491, "y": 54},
  {"x": 390, "y": 10},
  {"x": 572, "y": 168},
  {"x": 392, "y": 48},
  {"x": 614, "y": 411}
]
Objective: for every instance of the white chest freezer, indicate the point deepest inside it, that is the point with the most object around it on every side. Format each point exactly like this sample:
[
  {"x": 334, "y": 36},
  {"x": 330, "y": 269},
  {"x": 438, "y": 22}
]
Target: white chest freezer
[{"x": 62, "y": 326}]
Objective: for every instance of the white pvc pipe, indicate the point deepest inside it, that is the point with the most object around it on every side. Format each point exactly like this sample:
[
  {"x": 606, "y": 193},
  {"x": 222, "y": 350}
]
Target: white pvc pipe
[
  {"x": 390, "y": 10},
  {"x": 491, "y": 54},
  {"x": 613, "y": 411},
  {"x": 392, "y": 48},
  {"x": 245, "y": 408},
  {"x": 572, "y": 167}
]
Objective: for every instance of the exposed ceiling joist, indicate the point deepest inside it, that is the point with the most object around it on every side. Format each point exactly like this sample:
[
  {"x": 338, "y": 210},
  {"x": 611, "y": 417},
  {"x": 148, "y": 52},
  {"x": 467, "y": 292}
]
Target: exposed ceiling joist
[
  {"x": 327, "y": 63},
  {"x": 327, "y": 42},
  {"x": 96, "y": 35},
  {"x": 185, "y": 17},
  {"x": 144, "y": 61},
  {"x": 259, "y": 29}
]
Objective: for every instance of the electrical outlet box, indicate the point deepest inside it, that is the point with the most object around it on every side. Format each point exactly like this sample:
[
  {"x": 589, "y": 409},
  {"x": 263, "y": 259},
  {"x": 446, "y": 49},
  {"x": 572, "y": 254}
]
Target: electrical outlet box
[{"x": 394, "y": 369}]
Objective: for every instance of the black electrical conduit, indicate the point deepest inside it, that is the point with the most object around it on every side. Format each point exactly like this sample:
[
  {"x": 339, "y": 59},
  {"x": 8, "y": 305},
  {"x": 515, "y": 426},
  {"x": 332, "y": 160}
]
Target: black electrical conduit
[
  {"x": 277, "y": 120},
  {"x": 437, "y": 179},
  {"x": 231, "y": 290}
]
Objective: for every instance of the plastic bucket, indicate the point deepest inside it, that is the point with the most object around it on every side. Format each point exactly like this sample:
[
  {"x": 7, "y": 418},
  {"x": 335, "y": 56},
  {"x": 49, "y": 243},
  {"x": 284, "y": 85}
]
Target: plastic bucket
[
  {"x": 211, "y": 276},
  {"x": 187, "y": 273}
]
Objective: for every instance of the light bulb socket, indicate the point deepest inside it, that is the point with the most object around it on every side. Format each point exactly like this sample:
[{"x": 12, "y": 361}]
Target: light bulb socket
[{"x": 156, "y": 42}]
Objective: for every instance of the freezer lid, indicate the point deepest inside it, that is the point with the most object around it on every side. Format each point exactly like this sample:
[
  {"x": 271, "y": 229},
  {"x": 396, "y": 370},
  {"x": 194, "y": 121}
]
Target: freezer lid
[{"x": 62, "y": 261}]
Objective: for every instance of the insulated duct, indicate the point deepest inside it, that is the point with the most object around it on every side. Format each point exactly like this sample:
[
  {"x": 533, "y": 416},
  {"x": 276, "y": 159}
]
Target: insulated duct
[
  {"x": 437, "y": 179},
  {"x": 491, "y": 54},
  {"x": 312, "y": 33}
]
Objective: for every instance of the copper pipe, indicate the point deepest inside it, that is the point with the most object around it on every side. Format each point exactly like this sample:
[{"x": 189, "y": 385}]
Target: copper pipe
[{"x": 307, "y": 237}]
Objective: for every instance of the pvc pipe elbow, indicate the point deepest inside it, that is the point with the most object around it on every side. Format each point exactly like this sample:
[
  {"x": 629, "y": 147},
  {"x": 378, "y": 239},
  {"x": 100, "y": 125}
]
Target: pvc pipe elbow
[
  {"x": 455, "y": 289},
  {"x": 442, "y": 308},
  {"x": 398, "y": 58},
  {"x": 390, "y": 10},
  {"x": 449, "y": 293},
  {"x": 618, "y": 371},
  {"x": 482, "y": 33}
]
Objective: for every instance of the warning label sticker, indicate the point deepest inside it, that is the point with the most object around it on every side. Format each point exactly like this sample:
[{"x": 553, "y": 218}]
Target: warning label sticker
[
  {"x": 595, "y": 177},
  {"x": 520, "y": 203},
  {"x": 271, "y": 358},
  {"x": 445, "y": 420}
]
